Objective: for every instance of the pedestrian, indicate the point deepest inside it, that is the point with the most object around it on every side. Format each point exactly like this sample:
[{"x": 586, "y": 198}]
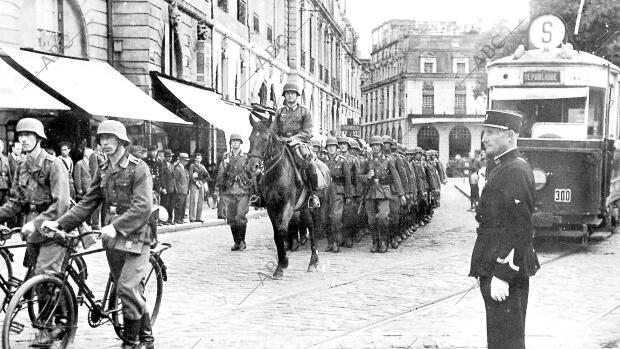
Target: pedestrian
[
  {"x": 41, "y": 193},
  {"x": 81, "y": 175},
  {"x": 124, "y": 188},
  {"x": 181, "y": 188},
  {"x": 234, "y": 183},
  {"x": 211, "y": 192},
  {"x": 198, "y": 177},
  {"x": 167, "y": 184},
  {"x": 503, "y": 257},
  {"x": 15, "y": 157},
  {"x": 5, "y": 175},
  {"x": 153, "y": 163},
  {"x": 65, "y": 151}
]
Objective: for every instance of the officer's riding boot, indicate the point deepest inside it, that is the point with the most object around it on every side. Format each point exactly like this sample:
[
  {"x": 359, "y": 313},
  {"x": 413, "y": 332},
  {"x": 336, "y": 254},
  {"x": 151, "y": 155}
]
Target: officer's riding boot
[
  {"x": 313, "y": 178},
  {"x": 146, "y": 333},
  {"x": 241, "y": 236},
  {"x": 131, "y": 329},
  {"x": 235, "y": 233}
]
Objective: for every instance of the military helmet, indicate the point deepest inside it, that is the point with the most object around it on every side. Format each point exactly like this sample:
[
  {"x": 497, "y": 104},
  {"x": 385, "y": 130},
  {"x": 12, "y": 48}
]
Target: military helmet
[
  {"x": 410, "y": 151},
  {"x": 235, "y": 137},
  {"x": 331, "y": 141},
  {"x": 343, "y": 139},
  {"x": 113, "y": 127},
  {"x": 291, "y": 86},
  {"x": 386, "y": 139},
  {"x": 30, "y": 125},
  {"x": 418, "y": 150},
  {"x": 376, "y": 140},
  {"x": 354, "y": 144},
  {"x": 316, "y": 142}
]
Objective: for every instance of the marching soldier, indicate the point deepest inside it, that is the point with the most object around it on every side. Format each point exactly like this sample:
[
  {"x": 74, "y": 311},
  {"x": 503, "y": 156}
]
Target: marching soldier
[
  {"x": 394, "y": 237},
  {"x": 503, "y": 258},
  {"x": 234, "y": 183},
  {"x": 360, "y": 179},
  {"x": 124, "y": 187},
  {"x": 405, "y": 218},
  {"x": 422, "y": 182},
  {"x": 339, "y": 194},
  {"x": 434, "y": 184},
  {"x": 350, "y": 207},
  {"x": 40, "y": 191},
  {"x": 293, "y": 124},
  {"x": 382, "y": 176},
  {"x": 319, "y": 215}
]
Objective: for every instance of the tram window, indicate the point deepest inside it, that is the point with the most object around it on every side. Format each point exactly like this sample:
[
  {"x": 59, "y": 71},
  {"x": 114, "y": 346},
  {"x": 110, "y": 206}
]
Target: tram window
[{"x": 596, "y": 112}]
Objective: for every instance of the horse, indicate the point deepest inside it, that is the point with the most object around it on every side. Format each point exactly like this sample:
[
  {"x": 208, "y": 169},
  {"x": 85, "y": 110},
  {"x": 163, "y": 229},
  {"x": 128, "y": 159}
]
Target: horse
[{"x": 279, "y": 189}]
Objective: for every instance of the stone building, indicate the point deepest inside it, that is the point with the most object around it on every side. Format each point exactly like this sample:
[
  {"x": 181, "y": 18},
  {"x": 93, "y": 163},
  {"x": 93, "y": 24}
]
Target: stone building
[{"x": 419, "y": 86}]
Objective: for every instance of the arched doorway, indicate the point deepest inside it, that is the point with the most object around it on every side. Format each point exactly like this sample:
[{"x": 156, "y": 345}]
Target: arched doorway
[
  {"x": 428, "y": 138},
  {"x": 459, "y": 141}
]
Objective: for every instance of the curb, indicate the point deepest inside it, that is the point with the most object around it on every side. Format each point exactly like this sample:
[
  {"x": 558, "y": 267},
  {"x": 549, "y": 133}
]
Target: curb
[{"x": 165, "y": 229}]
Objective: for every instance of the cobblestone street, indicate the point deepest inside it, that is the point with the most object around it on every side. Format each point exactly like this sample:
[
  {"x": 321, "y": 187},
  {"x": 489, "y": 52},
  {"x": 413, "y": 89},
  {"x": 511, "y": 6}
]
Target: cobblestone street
[{"x": 412, "y": 297}]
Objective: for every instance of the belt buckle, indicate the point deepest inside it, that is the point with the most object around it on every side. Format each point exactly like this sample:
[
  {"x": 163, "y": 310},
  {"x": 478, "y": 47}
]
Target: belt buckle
[{"x": 112, "y": 210}]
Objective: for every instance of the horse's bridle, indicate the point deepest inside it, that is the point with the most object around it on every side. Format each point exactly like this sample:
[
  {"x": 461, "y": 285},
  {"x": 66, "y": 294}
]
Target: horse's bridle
[{"x": 274, "y": 160}]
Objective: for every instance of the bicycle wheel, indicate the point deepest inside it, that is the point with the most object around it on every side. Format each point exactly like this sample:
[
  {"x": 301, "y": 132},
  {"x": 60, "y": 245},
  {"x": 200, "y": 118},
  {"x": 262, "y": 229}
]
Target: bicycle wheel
[
  {"x": 153, "y": 290},
  {"x": 55, "y": 322},
  {"x": 6, "y": 270}
]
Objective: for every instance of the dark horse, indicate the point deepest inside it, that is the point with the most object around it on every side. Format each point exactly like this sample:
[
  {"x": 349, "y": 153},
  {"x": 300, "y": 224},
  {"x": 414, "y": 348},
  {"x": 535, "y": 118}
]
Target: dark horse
[{"x": 279, "y": 189}]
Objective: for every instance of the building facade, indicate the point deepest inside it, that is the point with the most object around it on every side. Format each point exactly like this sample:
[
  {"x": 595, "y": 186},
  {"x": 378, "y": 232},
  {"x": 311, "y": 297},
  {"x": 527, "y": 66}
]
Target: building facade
[{"x": 418, "y": 86}]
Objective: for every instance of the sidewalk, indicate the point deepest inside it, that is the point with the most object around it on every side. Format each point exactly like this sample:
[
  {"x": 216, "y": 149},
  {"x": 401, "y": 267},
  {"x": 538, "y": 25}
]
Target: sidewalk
[{"x": 209, "y": 217}]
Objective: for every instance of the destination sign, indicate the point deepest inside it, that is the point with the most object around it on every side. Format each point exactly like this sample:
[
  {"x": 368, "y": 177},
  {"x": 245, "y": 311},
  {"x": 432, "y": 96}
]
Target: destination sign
[{"x": 541, "y": 76}]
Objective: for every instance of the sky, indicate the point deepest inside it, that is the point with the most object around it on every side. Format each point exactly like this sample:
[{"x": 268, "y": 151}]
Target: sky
[{"x": 365, "y": 15}]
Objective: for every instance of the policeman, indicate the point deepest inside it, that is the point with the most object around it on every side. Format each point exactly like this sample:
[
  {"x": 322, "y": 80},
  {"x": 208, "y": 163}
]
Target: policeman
[
  {"x": 350, "y": 207},
  {"x": 394, "y": 236},
  {"x": 503, "y": 257},
  {"x": 234, "y": 183},
  {"x": 40, "y": 191},
  {"x": 293, "y": 123},
  {"x": 340, "y": 193},
  {"x": 382, "y": 176},
  {"x": 123, "y": 186}
]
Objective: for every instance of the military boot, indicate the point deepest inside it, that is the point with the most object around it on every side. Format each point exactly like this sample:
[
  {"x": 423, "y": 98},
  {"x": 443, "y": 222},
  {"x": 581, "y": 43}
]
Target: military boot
[
  {"x": 393, "y": 242},
  {"x": 235, "y": 233},
  {"x": 131, "y": 329},
  {"x": 348, "y": 242},
  {"x": 241, "y": 236},
  {"x": 375, "y": 245},
  {"x": 146, "y": 333}
]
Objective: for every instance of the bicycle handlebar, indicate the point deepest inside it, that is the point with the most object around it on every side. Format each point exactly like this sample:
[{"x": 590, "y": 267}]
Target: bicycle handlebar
[{"x": 6, "y": 232}]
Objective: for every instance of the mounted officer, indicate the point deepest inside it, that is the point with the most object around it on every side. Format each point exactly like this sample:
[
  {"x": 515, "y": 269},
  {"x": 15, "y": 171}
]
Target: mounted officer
[
  {"x": 123, "y": 185},
  {"x": 293, "y": 124}
]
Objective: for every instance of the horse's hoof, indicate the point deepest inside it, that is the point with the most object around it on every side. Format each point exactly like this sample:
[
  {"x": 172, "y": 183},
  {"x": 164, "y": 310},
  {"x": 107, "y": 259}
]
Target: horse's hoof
[
  {"x": 278, "y": 274},
  {"x": 284, "y": 264},
  {"x": 295, "y": 247}
]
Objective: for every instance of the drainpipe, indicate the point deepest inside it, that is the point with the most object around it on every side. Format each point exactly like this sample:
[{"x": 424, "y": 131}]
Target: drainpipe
[{"x": 110, "y": 32}]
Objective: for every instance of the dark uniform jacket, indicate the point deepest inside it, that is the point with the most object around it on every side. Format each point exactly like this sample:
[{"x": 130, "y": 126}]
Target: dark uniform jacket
[
  {"x": 385, "y": 176},
  {"x": 96, "y": 159},
  {"x": 154, "y": 165},
  {"x": 167, "y": 176},
  {"x": 402, "y": 173},
  {"x": 503, "y": 246},
  {"x": 40, "y": 190},
  {"x": 5, "y": 173},
  {"x": 233, "y": 178},
  {"x": 421, "y": 179},
  {"x": 432, "y": 176},
  {"x": 13, "y": 163},
  {"x": 126, "y": 193},
  {"x": 340, "y": 171},
  {"x": 289, "y": 122}
]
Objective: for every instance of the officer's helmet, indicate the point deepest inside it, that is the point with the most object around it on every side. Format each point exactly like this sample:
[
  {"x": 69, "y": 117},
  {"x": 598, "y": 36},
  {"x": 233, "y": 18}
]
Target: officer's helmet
[
  {"x": 331, "y": 141},
  {"x": 376, "y": 140},
  {"x": 30, "y": 125},
  {"x": 291, "y": 86},
  {"x": 235, "y": 137},
  {"x": 113, "y": 127}
]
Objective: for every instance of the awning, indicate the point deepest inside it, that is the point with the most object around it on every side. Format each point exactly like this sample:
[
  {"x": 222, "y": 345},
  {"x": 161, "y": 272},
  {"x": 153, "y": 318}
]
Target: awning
[
  {"x": 92, "y": 87},
  {"x": 520, "y": 93},
  {"x": 210, "y": 106},
  {"x": 16, "y": 92}
]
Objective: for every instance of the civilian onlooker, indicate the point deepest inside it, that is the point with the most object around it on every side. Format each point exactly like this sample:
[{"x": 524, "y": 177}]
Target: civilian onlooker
[
  {"x": 474, "y": 189},
  {"x": 167, "y": 184},
  {"x": 5, "y": 175},
  {"x": 198, "y": 177},
  {"x": 81, "y": 174},
  {"x": 15, "y": 157},
  {"x": 65, "y": 150},
  {"x": 211, "y": 191},
  {"x": 181, "y": 188},
  {"x": 97, "y": 158}
]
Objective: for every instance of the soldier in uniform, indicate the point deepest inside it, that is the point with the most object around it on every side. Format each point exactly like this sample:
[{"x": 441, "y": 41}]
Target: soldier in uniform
[
  {"x": 319, "y": 216},
  {"x": 293, "y": 124},
  {"x": 405, "y": 223},
  {"x": 361, "y": 167},
  {"x": 340, "y": 193},
  {"x": 40, "y": 191},
  {"x": 423, "y": 199},
  {"x": 350, "y": 207},
  {"x": 123, "y": 186},
  {"x": 394, "y": 237},
  {"x": 234, "y": 183},
  {"x": 503, "y": 257},
  {"x": 154, "y": 166},
  {"x": 382, "y": 176}
]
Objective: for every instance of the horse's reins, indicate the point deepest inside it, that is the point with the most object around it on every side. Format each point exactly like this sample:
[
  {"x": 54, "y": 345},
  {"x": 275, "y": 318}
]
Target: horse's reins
[{"x": 274, "y": 160}]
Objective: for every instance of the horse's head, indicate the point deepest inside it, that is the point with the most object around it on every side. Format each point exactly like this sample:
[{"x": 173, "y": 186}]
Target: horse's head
[{"x": 261, "y": 140}]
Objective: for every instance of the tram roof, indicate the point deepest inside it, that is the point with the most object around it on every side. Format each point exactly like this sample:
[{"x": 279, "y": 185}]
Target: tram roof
[{"x": 560, "y": 55}]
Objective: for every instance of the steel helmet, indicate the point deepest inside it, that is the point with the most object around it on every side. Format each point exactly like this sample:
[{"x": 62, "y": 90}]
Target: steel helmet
[
  {"x": 386, "y": 139},
  {"x": 316, "y": 142},
  {"x": 343, "y": 139},
  {"x": 410, "y": 151},
  {"x": 235, "y": 137},
  {"x": 291, "y": 86},
  {"x": 331, "y": 141},
  {"x": 113, "y": 127},
  {"x": 376, "y": 140},
  {"x": 354, "y": 144},
  {"x": 30, "y": 125}
]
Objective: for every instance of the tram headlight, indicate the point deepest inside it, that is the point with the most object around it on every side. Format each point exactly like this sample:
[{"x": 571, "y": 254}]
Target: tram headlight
[{"x": 540, "y": 178}]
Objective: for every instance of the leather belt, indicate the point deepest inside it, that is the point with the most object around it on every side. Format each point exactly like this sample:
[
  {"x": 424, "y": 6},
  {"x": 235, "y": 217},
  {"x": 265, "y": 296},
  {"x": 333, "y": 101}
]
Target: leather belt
[{"x": 38, "y": 208}]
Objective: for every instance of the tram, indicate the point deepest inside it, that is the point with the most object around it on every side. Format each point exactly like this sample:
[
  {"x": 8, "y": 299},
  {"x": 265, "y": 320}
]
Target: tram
[{"x": 569, "y": 100}]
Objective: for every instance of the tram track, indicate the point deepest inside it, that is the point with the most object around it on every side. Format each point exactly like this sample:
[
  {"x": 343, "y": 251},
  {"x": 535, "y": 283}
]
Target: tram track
[{"x": 437, "y": 302}]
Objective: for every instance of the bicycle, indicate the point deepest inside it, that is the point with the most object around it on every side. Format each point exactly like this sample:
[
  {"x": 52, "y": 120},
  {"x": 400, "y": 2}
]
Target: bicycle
[
  {"x": 57, "y": 314},
  {"x": 8, "y": 282}
]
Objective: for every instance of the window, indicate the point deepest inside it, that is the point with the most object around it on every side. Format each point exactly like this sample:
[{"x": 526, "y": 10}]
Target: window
[
  {"x": 270, "y": 34},
  {"x": 460, "y": 68},
  {"x": 428, "y": 67},
  {"x": 223, "y": 4},
  {"x": 459, "y": 103},
  {"x": 241, "y": 10},
  {"x": 428, "y": 104},
  {"x": 256, "y": 23}
]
